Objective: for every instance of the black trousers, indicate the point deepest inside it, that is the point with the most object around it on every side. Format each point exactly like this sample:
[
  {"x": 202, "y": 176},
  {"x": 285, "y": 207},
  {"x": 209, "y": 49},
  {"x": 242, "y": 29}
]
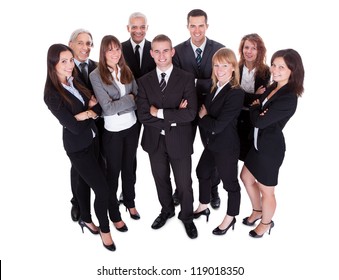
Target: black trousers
[
  {"x": 75, "y": 175},
  {"x": 161, "y": 164},
  {"x": 120, "y": 150},
  {"x": 226, "y": 164},
  {"x": 86, "y": 164}
]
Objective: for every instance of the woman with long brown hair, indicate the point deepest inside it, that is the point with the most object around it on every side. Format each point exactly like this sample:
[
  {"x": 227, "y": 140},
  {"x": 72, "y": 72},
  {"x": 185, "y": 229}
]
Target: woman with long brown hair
[{"x": 75, "y": 108}]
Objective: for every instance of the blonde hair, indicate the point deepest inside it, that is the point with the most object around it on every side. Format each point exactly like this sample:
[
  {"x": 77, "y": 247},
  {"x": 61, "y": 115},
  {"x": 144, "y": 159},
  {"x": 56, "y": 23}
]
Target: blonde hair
[{"x": 225, "y": 55}]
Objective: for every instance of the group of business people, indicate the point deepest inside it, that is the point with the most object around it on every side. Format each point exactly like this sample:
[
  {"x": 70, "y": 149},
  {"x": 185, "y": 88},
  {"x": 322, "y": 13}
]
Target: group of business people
[{"x": 171, "y": 91}]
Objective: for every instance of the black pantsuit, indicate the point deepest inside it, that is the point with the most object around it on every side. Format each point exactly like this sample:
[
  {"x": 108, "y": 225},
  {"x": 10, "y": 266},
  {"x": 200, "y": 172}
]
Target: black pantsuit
[
  {"x": 120, "y": 151},
  {"x": 226, "y": 165},
  {"x": 222, "y": 145},
  {"x": 86, "y": 163},
  {"x": 83, "y": 150}
]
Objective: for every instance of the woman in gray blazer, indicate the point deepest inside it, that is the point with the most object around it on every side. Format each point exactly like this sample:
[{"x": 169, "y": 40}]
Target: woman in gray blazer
[{"x": 115, "y": 89}]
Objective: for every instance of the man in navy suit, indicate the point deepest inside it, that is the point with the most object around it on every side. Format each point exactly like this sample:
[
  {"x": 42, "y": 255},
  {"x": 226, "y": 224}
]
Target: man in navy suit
[
  {"x": 167, "y": 105},
  {"x": 186, "y": 58}
]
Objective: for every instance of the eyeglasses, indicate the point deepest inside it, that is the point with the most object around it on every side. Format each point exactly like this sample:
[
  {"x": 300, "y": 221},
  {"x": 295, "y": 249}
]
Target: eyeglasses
[{"x": 82, "y": 44}]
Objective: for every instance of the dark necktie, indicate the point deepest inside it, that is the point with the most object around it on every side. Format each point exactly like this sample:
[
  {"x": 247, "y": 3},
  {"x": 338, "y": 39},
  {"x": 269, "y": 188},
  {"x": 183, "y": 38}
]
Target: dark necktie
[
  {"x": 198, "y": 58},
  {"x": 137, "y": 55},
  {"x": 83, "y": 68},
  {"x": 162, "y": 82}
]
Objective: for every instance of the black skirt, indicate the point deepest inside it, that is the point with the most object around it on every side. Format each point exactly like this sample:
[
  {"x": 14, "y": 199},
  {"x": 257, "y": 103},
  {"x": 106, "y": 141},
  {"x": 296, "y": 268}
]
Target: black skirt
[{"x": 264, "y": 167}]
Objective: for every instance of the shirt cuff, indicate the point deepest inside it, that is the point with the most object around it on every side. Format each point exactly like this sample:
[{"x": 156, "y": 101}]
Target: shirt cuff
[{"x": 160, "y": 114}]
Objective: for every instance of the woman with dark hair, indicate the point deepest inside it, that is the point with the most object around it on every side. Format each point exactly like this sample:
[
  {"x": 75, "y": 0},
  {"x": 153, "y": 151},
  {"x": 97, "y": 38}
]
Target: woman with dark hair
[
  {"x": 254, "y": 79},
  {"x": 269, "y": 115},
  {"x": 76, "y": 108},
  {"x": 115, "y": 88}
]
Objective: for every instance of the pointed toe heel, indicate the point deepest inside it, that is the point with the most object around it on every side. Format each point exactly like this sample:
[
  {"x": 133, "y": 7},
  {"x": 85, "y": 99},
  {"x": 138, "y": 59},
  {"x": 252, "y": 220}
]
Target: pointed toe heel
[
  {"x": 218, "y": 231},
  {"x": 205, "y": 212}
]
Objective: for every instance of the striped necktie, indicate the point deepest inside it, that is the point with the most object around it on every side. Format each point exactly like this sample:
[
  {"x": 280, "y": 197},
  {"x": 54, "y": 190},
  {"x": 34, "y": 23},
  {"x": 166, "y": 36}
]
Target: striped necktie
[
  {"x": 198, "y": 58},
  {"x": 162, "y": 82}
]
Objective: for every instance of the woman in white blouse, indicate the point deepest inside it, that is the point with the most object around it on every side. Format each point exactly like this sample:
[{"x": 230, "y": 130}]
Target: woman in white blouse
[{"x": 115, "y": 88}]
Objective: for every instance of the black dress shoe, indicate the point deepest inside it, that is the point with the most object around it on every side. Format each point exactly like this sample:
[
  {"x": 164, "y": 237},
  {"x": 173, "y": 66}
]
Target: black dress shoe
[
  {"x": 160, "y": 221},
  {"x": 215, "y": 201},
  {"x": 75, "y": 213},
  {"x": 191, "y": 230},
  {"x": 175, "y": 199}
]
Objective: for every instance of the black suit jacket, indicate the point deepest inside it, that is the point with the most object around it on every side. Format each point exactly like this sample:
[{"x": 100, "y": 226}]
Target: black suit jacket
[
  {"x": 147, "y": 62},
  {"x": 177, "y": 123},
  {"x": 280, "y": 108},
  {"x": 91, "y": 66},
  {"x": 184, "y": 58},
  {"x": 220, "y": 123},
  {"x": 258, "y": 82},
  {"x": 77, "y": 135}
]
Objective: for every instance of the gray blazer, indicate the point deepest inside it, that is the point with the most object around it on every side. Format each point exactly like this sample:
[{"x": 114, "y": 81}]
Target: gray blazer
[{"x": 109, "y": 96}]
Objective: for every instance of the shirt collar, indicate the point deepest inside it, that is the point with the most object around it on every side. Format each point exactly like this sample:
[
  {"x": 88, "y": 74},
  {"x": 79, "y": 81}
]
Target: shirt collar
[
  {"x": 141, "y": 44},
  {"x": 202, "y": 47},
  {"x": 168, "y": 72},
  {"x": 77, "y": 62}
]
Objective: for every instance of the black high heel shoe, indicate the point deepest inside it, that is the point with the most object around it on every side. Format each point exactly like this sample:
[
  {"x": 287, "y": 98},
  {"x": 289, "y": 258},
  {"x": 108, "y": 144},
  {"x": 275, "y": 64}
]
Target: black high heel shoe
[
  {"x": 83, "y": 224},
  {"x": 124, "y": 228},
  {"x": 205, "y": 212},
  {"x": 133, "y": 216},
  {"x": 110, "y": 247},
  {"x": 247, "y": 223},
  {"x": 218, "y": 231},
  {"x": 253, "y": 234}
]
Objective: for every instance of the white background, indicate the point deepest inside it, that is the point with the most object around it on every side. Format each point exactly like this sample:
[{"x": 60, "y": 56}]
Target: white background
[{"x": 38, "y": 240}]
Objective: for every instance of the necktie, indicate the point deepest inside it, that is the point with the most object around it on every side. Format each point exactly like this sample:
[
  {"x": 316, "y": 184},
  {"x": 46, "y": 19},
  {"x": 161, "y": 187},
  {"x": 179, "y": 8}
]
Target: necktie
[
  {"x": 162, "y": 82},
  {"x": 83, "y": 67},
  {"x": 137, "y": 55},
  {"x": 198, "y": 58}
]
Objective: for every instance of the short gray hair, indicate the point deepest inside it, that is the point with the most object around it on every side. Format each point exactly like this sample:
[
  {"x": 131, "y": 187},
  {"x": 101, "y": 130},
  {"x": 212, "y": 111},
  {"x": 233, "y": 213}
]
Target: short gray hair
[
  {"x": 76, "y": 33},
  {"x": 137, "y": 15}
]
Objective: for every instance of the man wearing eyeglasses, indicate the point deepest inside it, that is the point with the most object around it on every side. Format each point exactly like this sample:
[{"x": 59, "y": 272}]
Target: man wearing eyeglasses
[{"x": 81, "y": 42}]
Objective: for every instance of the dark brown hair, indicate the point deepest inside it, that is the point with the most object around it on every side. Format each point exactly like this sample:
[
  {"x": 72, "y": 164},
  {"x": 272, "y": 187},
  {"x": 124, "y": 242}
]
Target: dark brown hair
[
  {"x": 294, "y": 63},
  {"x": 126, "y": 77},
  {"x": 52, "y": 80}
]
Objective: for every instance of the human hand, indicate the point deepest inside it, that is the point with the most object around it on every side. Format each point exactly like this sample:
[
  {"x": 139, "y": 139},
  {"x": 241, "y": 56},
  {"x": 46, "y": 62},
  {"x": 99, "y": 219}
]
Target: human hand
[
  {"x": 260, "y": 90},
  {"x": 183, "y": 104},
  {"x": 264, "y": 112},
  {"x": 255, "y": 102},
  {"x": 92, "y": 102},
  {"x": 153, "y": 111},
  {"x": 202, "y": 111}
]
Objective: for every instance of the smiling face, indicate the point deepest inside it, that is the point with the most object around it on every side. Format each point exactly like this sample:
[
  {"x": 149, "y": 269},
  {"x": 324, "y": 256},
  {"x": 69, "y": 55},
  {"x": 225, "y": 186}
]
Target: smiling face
[
  {"x": 137, "y": 28},
  {"x": 113, "y": 55},
  {"x": 162, "y": 53},
  {"x": 250, "y": 52},
  {"x": 223, "y": 71},
  {"x": 197, "y": 27},
  {"x": 82, "y": 47},
  {"x": 65, "y": 66},
  {"x": 279, "y": 71}
]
